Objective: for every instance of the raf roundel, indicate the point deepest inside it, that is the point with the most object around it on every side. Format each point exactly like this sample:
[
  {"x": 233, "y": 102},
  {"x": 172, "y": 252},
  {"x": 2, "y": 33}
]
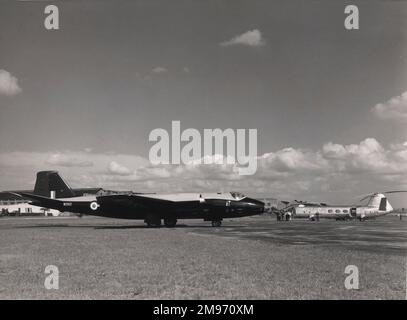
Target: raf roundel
[{"x": 94, "y": 205}]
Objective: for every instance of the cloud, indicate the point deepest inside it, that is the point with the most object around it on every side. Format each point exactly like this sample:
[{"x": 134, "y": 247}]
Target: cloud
[
  {"x": 288, "y": 170},
  {"x": 8, "y": 84},
  {"x": 158, "y": 70},
  {"x": 289, "y": 173},
  {"x": 82, "y": 168},
  {"x": 118, "y": 169},
  {"x": 251, "y": 38},
  {"x": 367, "y": 156},
  {"x": 293, "y": 160},
  {"x": 393, "y": 109},
  {"x": 64, "y": 160},
  {"x": 400, "y": 151}
]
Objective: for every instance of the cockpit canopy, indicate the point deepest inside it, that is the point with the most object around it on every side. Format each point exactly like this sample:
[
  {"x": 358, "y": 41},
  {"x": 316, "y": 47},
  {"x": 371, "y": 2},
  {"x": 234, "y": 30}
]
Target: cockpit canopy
[{"x": 237, "y": 195}]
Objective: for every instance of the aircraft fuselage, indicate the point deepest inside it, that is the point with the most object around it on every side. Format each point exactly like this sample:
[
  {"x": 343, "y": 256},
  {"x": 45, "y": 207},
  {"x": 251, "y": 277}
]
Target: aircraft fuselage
[{"x": 180, "y": 206}]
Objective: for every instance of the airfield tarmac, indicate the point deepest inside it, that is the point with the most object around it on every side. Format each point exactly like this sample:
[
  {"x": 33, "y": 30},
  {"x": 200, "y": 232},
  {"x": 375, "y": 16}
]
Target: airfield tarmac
[{"x": 247, "y": 258}]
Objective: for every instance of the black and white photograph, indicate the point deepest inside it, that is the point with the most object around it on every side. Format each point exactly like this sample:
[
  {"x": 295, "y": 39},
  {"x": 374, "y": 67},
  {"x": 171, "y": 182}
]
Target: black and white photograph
[{"x": 229, "y": 151}]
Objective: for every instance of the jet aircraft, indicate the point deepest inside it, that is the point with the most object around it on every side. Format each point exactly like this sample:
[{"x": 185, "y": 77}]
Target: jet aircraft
[{"x": 150, "y": 207}]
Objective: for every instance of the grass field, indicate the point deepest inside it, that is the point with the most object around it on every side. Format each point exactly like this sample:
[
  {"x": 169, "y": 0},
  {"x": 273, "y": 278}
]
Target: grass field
[{"x": 249, "y": 258}]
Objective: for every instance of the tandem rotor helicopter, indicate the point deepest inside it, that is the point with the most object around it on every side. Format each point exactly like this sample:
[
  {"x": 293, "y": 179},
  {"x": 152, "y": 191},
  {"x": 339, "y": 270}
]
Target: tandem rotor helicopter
[{"x": 377, "y": 205}]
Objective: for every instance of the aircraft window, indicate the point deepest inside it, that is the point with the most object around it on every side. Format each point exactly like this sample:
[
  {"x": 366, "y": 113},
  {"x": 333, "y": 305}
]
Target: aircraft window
[
  {"x": 329, "y": 211},
  {"x": 345, "y": 211},
  {"x": 237, "y": 195},
  {"x": 338, "y": 211}
]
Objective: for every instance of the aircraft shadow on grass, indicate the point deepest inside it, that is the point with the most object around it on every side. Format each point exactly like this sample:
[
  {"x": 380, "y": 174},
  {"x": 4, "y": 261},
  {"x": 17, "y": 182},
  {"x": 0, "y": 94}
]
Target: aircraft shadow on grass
[{"x": 120, "y": 227}]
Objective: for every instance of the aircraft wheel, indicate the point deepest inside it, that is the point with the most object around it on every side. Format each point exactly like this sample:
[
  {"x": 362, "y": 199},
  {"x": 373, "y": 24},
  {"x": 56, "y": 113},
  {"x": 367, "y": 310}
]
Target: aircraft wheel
[
  {"x": 153, "y": 222},
  {"x": 170, "y": 222},
  {"x": 216, "y": 223}
]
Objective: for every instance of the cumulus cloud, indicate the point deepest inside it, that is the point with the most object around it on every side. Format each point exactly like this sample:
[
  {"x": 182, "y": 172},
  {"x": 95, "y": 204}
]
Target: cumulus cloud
[
  {"x": 252, "y": 38},
  {"x": 64, "y": 160},
  {"x": 393, "y": 109},
  {"x": 367, "y": 156},
  {"x": 288, "y": 173},
  {"x": 158, "y": 70},
  {"x": 8, "y": 84},
  {"x": 118, "y": 169},
  {"x": 333, "y": 151},
  {"x": 81, "y": 168},
  {"x": 400, "y": 151},
  {"x": 293, "y": 160}
]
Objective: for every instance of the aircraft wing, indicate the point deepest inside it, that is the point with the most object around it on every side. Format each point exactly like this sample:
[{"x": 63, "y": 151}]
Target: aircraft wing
[
  {"x": 113, "y": 201},
  {"x": 133, "y": 199}
]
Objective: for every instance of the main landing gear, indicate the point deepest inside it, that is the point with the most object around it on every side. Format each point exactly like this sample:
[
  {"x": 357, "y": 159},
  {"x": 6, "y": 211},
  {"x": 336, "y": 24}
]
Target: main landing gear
[
  {"x": 155, "y": 222},
  {"x": 216, "y": 223},
  {"x": 170, "y": 222}
]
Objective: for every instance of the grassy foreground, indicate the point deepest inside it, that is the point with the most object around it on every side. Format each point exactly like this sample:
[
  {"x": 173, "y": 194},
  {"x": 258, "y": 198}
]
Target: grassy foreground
[{"x": 115, "y": 259}]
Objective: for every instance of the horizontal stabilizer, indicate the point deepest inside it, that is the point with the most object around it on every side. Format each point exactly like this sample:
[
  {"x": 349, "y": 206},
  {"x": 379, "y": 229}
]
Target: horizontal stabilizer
[{"x": 41, "y": 201}]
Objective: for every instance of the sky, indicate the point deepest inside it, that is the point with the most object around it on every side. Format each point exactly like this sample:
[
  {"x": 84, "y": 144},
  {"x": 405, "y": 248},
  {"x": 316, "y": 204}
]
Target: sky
[{"x": 329, "y": 104}]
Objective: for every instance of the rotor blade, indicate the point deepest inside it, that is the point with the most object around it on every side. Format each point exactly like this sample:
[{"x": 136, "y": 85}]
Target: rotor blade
[
  {"x": 373, "y": 193},
  {"x": 367, "y": 196},
  {"x": 395, "y": 191}
]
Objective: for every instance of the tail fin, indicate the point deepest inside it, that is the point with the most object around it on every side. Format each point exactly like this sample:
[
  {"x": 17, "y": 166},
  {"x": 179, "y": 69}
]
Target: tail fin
[
  {"x": 380, "y": 202},
  {"x": 48, "y": 181}
]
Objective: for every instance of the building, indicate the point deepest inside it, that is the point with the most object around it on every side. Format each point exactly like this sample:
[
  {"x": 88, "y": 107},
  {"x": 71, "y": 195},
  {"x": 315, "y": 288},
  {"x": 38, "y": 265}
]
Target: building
[{"x": 23, "y": 208}]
